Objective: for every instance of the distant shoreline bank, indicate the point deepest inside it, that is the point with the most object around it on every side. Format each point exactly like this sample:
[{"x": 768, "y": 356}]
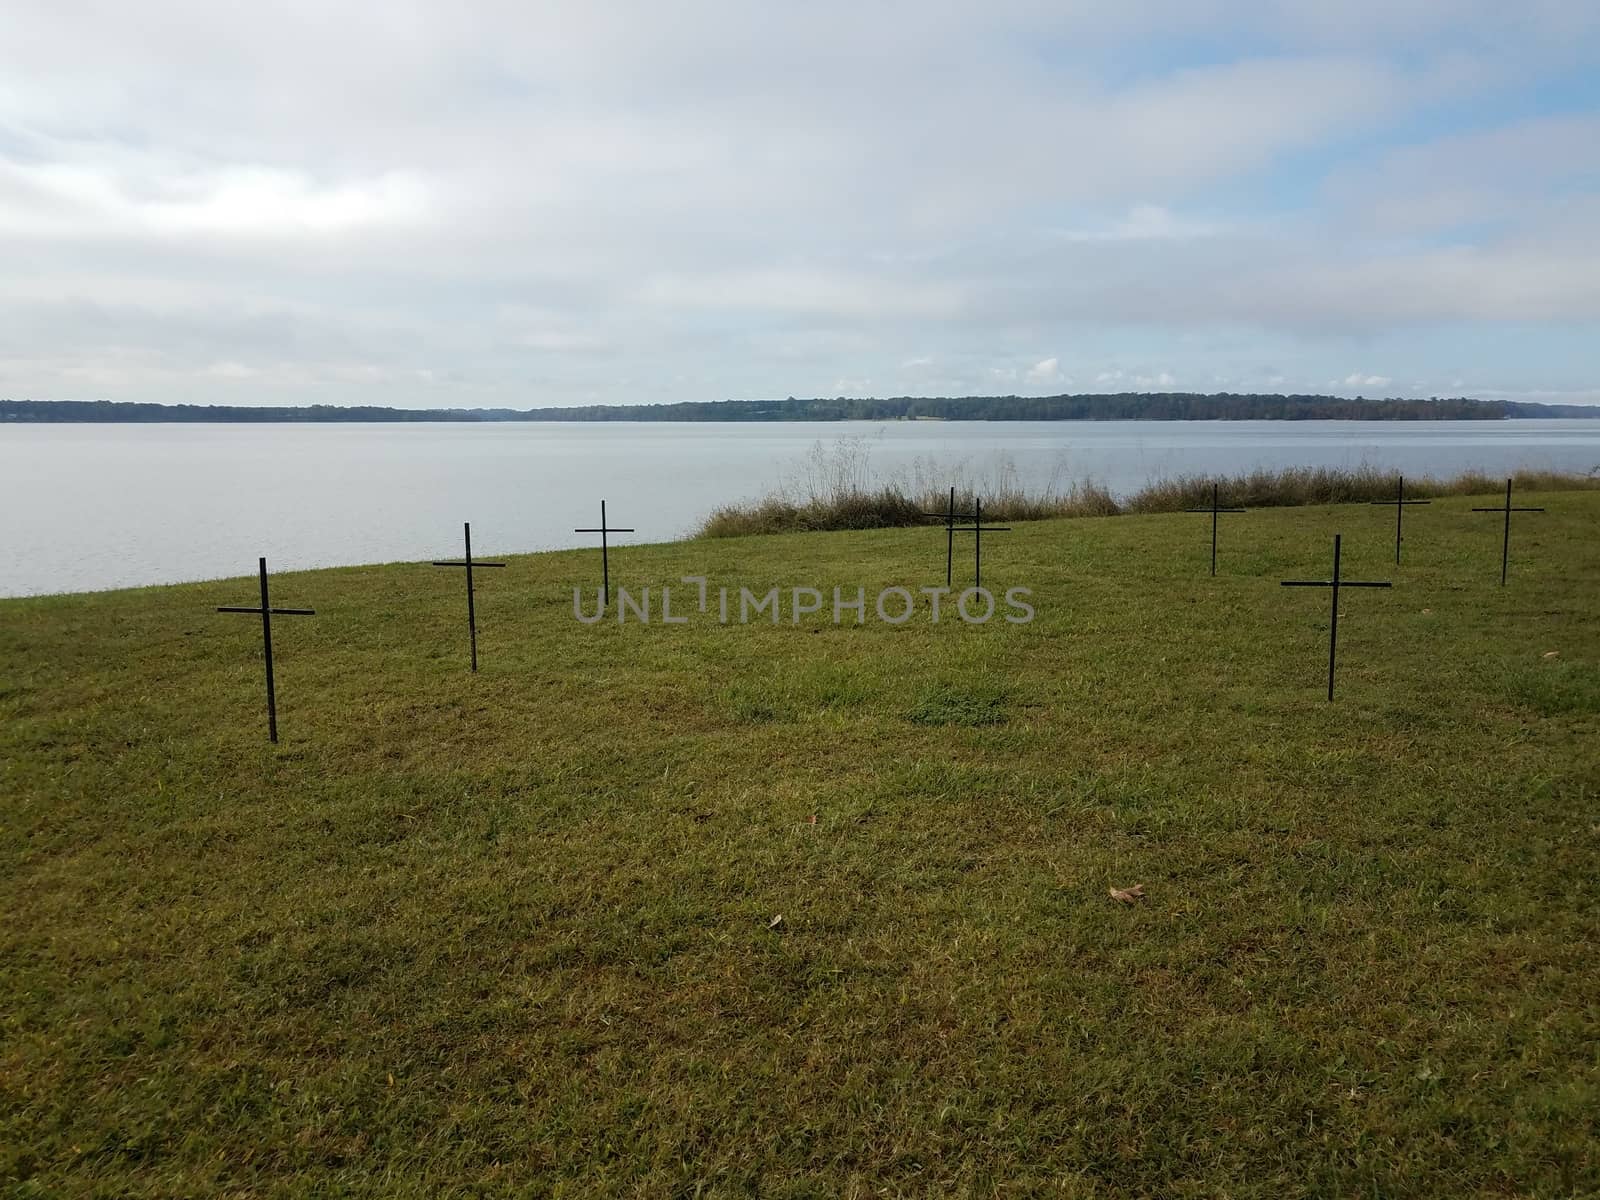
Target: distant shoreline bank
[{"x": 1154, "y": 407}]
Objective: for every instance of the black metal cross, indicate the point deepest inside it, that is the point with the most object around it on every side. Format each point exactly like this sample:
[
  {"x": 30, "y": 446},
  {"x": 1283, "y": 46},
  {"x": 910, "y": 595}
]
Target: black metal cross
[
  {"x": 1505, "y": 545},
  {"x": 977, "y": 529},
  {"x": 1335, "y": 583},
  {"x": 1214, "y": 510},
  {"x": 1399, "y": 503},
  {"x": 267, "y": 613},
  {"x": 605, "y": 555},
  {"x": 949, "y": 518},
  {"x": 469, "y": 564}
]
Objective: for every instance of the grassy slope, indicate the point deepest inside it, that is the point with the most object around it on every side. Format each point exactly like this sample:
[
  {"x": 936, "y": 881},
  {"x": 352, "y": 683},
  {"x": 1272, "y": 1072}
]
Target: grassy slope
[{"x": 465, "y": 935}]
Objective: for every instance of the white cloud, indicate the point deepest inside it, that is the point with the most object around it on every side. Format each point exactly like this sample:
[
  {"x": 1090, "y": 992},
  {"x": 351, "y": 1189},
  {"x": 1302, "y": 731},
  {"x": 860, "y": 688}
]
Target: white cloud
[
  {"x": 255, "y": 200},
  {"x": 1472, "y": 177},
  {"x": 1143, "y": 222},
  {"x": 87, "y": 200},
  {"x": 803, "y": 290},
  {"x": 1357, "y": 379}
]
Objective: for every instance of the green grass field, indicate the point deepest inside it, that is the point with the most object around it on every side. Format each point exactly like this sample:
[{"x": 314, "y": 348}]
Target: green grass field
[{"x": 510, "y": 934}]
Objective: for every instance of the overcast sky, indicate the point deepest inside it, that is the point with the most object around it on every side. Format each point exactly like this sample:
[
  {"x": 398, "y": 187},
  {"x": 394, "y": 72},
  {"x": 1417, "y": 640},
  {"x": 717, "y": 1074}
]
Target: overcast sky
[{"x": 542, "y": 202}]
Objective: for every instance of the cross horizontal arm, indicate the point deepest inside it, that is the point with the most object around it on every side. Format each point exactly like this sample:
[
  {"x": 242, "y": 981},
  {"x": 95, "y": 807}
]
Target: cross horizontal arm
[
  {"x": 607, "y": 529},
  {"x": 1344, "y": 583},
  {"x": 475, "y": 563},
  {"x": 1218, "y": 510},
  {"x": 950, "y": 516},
  {"x": 1502, "y": 508},
  {"x": 277, "y": 612}
]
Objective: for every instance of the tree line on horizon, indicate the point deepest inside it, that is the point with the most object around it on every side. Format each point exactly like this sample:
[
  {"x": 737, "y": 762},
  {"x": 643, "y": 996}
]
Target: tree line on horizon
[{"x": 1125, "y": 406}]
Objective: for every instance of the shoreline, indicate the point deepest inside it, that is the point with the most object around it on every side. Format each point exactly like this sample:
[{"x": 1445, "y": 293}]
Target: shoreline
[{"x": 1543, "y": 483}]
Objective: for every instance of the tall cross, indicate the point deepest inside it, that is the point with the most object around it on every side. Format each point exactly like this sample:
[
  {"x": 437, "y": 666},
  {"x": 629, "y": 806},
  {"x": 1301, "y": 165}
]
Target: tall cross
[
  {"x": 977, "y": 529},
  {"x": 1335, "y": 583},
  {"x": 469, "y": 564},
  {"x": 949, "y": 517},
  {"x": 267, "y": 613},
  {"x": 605, "y": 554},
  {"x": 1505, "y": 545},
  {"x": 1214, "y": 510},
  {"x": 1399, "y": 503}
]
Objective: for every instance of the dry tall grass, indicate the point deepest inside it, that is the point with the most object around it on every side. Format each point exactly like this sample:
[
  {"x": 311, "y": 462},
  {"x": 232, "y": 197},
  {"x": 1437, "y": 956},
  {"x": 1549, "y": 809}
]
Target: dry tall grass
[
  {"x": 835, "y": 488},
  {"x": 1336, "y": 485}
]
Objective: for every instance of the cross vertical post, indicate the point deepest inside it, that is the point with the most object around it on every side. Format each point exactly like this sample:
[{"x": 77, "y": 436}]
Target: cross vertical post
[
  {"x": 1399, "y": 503},
  {"x": 469, "y": 563},
  {"x": 266, "y": 610},
  {"x": 977, "y": 529},
  {"x": 1333, "y": 620},
  {"x": 605, "y": 554},
  {"x": 977, "y": 542},
  {"x": 1335, "y": 584},
  {"x": 949, "y": 518},
  {"x": 1505, "y": 542},
  {"x": 266, "y": 644},
  {"x": 472, "y": 611},
  {"x": 1216, "y": 507},
  {"x": 950, "y": 537}
]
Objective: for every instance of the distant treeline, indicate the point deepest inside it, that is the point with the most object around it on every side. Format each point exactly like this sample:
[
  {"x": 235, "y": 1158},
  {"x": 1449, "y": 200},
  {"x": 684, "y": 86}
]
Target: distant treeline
[{"x": 1124, "y": 406}]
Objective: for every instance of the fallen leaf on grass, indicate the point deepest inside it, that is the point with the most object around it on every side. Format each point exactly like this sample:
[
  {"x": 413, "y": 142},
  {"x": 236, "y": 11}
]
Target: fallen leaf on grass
[
  {"x": 1128, "y": 895},
  {"x": 775, "y": 922},
  {"x": 1552, "y": 654}
]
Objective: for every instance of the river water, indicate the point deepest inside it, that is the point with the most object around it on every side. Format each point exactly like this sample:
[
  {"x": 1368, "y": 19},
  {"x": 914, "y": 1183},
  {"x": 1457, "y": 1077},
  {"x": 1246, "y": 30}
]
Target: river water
[{"x": 84, "y": 507}]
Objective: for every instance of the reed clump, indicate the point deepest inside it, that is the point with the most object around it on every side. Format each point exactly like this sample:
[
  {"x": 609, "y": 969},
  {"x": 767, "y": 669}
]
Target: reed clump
[
  {"x": 889, "y": 507},
  {"x": 1291, "y": 486},
  {"x": 836, "y": 489}
]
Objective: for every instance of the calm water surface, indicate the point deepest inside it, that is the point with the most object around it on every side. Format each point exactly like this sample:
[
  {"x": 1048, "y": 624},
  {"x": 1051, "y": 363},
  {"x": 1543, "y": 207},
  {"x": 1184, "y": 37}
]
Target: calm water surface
[{"x": 84, "y": 507}]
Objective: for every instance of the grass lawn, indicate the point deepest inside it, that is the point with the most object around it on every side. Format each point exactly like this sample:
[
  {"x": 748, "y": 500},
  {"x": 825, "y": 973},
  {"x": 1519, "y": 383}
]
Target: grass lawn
[{"x": 511, "y": 933}]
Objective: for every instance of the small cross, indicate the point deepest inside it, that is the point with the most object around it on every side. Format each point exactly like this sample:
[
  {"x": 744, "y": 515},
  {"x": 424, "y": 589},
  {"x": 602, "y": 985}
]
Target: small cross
[
  {"x": 1214, "y": 510},
  {"x": 267, "y": 613},
  {"x": 1399, "y": 503},
  {"x": 1505, "y": 545},
  {"x": 469, "y": 564},
  {"x": 949, "y": 518},
  {"x": 977, "y": 529},
  {"x": 1335, "y": 583},
  {"x": 605, "y": 556}
]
